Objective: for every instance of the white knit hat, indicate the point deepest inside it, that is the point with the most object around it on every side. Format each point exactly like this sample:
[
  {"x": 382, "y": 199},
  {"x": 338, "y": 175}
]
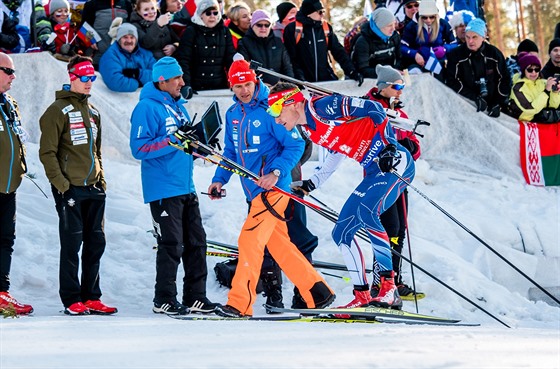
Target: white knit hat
[{"x": 428, "y": 7}]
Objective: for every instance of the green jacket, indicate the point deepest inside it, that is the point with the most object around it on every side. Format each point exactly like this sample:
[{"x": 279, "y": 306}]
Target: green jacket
[
  {"x": 70, "y": 145},
  {"x": 12, "y": 149}
]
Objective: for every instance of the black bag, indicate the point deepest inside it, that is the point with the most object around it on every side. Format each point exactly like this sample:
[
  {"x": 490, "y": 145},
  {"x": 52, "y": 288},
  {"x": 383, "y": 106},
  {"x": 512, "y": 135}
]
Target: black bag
[{"x": 225, "y": 272}]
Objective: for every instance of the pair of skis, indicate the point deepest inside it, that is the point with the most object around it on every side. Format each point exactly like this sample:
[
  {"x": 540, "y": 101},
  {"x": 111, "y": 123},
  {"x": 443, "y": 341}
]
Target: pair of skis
[{"x": 366, "y": 315}]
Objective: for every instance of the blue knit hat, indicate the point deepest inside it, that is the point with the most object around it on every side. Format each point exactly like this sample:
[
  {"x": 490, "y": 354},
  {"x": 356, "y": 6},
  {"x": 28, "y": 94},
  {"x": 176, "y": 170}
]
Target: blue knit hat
[
  {"x": 477, "y": 26},
  {"x": 166, "y": 68}
]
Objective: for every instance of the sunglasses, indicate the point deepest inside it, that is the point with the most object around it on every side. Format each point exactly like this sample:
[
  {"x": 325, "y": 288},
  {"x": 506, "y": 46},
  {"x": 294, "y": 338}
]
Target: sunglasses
[
  {"x": 263, "y": 25},
  {"x": 85, "y": 79},
  {"x": 209, "y": 13},
  {"x": 410, "y": 6},
  {"x": 535, "y": 69},
  {"x": 321, "y": 12},
  {"x": 276, "y": 109},
  {"x": 425, "y": 17},
  {"x": 395, "y": 86},
  {"x": 8, "y": 71}
]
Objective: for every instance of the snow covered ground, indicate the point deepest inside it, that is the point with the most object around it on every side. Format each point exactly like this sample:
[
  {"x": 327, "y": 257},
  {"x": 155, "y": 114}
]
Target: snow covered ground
[{"x": 470, "y": 167}]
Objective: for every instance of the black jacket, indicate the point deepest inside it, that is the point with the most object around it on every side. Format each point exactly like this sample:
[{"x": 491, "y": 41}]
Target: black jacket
[
  {"x": 465, "y": 69},
  {"x": 269, "y": 51},
  {"x": 205, "y": 54},
  {"x": 370, "y": 50},
  {"x": 549, "y": 70},
  {"x": 310, "y": 55}
]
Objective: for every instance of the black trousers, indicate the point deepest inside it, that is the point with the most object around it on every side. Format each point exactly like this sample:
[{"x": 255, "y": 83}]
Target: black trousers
[
  {"x": 7, "y": 237},
  {"x": 180, "y": 237},
  {"x": 80, "y": 222}
]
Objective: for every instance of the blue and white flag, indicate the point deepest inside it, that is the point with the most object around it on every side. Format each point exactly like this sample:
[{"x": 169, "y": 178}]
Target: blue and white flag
[{"x": 433, "y": 64}]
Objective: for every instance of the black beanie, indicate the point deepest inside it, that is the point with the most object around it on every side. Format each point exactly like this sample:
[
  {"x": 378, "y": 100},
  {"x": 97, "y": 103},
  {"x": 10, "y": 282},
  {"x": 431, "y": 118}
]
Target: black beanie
[
  {"x": 554, "y": 43},
  {"x": 310, "y": 6},
  {"x": 527, "y": 46},
  {"x": 283, "y": 9}
]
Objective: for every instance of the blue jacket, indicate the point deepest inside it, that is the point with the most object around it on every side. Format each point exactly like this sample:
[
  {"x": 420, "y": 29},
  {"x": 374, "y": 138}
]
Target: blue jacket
[
  {"x": 115, "y": 60},
  {"x": 254, "y": 140},
  {"x": 411, "y": 44},
  {"x": 166, "y": 171}
]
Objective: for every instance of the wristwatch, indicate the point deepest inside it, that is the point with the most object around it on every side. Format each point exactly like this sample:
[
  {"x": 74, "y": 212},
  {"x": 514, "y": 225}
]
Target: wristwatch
[{"x": 276, "y": 172}]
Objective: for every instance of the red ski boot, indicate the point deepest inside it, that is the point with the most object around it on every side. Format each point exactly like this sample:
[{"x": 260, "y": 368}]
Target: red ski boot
[
  {"x": 361, "y": 298},
  {"x": 388, "y": 296}
]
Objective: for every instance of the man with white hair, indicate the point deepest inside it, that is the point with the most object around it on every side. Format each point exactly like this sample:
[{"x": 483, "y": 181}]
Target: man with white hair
[{"x": 126, "y": 66}]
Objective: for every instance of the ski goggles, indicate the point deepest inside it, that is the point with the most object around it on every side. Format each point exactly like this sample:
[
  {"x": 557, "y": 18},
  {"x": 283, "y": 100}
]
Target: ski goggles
[
  {"x": 84, "y": 79},
  {"x": 278, "y": 100},
  {"x": 396, "y": 86}
]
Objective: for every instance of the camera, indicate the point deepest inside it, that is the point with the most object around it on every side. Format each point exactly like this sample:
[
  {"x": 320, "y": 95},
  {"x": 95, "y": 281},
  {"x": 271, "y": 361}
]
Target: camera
[
  {"x": 483, "y": 88},
  {"x": 557, "y": 78}
]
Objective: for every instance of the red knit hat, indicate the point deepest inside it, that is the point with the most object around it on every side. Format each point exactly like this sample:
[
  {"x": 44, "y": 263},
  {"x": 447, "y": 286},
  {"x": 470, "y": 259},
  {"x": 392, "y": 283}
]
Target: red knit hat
[{"x": 239, "y": 72}]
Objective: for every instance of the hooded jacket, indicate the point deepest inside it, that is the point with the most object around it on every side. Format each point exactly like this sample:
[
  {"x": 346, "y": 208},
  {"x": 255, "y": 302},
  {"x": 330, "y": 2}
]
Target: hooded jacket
[
  {"x": 254, "y": 140},
  {"x": 116, "y": 60},
  {"x": 309, "y": 56},
  {"x": 166, "y": 171},
  {"x": 12, "y": 149},
  {"x": 370, "y": 50},
  {"x": 70, "y": 144}
]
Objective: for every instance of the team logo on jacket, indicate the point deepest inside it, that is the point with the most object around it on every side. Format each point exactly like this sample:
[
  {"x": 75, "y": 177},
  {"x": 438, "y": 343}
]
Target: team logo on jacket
[
  {"x": 256, "y": 123},
  {"x": 235, "y": 121},
  {"x": 71, "y": 202}
]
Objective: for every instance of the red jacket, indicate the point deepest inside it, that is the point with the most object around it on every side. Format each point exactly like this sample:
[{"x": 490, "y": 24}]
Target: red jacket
[{"x": 401, "y": 134}]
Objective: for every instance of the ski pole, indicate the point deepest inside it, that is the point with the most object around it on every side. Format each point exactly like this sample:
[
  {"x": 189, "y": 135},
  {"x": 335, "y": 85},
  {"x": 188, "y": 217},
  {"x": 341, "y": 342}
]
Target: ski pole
[
  {"x": 404, "y": 204},
  {"x": 240, "y": 170},
  {"x": 475, "y": 236},
  {"x": 32, "y": 177},
  {"x": 310, "y": 86}
]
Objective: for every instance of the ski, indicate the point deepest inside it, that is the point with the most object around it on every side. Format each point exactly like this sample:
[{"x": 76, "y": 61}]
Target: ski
[
  {"x": 275, "y": 318},
  {"x": 378, "y": 313},
  {"x": 316, "y": 263}
]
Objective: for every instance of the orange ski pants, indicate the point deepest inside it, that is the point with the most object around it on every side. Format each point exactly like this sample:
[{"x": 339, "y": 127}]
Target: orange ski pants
[{"x": 263, "y": 229}]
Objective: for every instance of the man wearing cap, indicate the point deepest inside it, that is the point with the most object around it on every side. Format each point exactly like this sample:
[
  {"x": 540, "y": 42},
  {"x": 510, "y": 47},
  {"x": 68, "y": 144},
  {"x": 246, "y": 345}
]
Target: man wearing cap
[
  {"x": 309, "y": 40},
  {"x": 286, "y": 14},
  {"x": 253, "y": 139},
  {"x": 377, "y": 44},
  {"x": 477, "y": 71},
  {"x": 358, "y": 129},
  {"x": 552, "y": 67},
  {"x": 70, "y": 150},
  {"x": 12, "y": 169},
  {"x": 125, "y": 66},
  {"x": 168, "y": 187}
]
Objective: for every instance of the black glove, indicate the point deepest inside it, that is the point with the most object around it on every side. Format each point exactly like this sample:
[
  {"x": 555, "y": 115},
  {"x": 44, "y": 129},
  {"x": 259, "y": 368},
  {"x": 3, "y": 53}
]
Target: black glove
[
  {"x": 306, "y": 186},
  {"x": 49, "y": 47},
  {"x": 494, "y": 111},
  {"x": 357, "y": 76},
  {"x": 481, "y": 104},
  {"x": 131, "y": 73},
  {"x": 187, "y": 92},
  {"x": 410, "y": 145},
  {"x": 387, "y": 158}
]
